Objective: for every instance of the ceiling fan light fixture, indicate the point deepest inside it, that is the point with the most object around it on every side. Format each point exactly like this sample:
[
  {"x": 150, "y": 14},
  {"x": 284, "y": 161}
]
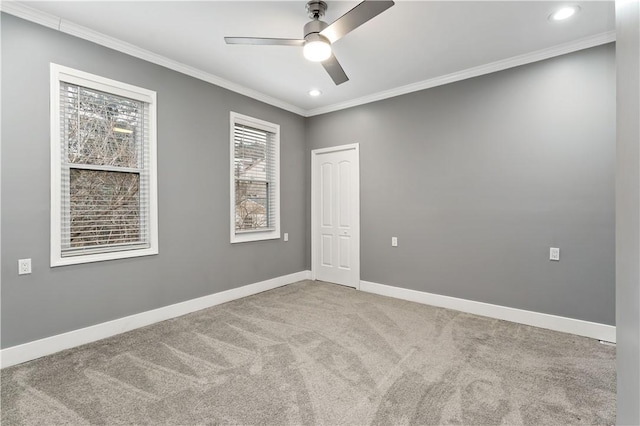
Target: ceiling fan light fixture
[
  {"x": 316, "y": 48},
  {"x": 318, "y": 35}
]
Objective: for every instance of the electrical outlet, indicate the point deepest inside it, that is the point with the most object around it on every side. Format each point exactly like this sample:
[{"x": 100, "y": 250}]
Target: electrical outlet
[
  {"x": 24, "y": 266},
  {"x": 554, "y": 253},
  {"x": 394, "y": 241},
  {"x": 286, "y": 236}
]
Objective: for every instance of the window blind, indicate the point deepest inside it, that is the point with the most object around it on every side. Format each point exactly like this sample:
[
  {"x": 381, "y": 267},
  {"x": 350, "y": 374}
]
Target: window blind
[
  {"x": 105, "y": 172},
  {"x": 255, "y": 179}
]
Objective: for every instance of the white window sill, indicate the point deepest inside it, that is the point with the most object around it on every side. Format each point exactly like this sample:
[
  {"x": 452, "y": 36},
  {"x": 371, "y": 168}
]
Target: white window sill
[
  {"x": 247, "y": 236},
  {"x": 99, "y": 257}
]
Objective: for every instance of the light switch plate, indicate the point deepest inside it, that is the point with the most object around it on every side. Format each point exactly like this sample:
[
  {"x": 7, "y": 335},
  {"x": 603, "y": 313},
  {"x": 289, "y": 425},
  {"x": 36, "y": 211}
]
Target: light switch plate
[
  {"x": 394, "y": 241},
  {"x": 554, "y": 253}
]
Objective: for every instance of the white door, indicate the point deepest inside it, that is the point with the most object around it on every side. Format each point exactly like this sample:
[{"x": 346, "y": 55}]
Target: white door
[{"x": 335, "y": 190}]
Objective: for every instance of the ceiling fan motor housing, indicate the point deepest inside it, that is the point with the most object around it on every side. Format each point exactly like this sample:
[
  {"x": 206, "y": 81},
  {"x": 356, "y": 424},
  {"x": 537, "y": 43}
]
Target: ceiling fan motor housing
[{"x": 312, "y": 29}]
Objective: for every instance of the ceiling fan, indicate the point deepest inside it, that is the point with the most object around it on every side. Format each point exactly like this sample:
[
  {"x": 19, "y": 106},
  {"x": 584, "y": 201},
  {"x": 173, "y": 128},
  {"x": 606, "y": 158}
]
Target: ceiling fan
[{"x": 318, "y": 35}]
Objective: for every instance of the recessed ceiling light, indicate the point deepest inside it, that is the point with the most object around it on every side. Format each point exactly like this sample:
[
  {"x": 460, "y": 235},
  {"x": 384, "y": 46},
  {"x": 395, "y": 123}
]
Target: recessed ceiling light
[
  {"x": 315, "y": 92},
  {"x": 564, "y": 13}
]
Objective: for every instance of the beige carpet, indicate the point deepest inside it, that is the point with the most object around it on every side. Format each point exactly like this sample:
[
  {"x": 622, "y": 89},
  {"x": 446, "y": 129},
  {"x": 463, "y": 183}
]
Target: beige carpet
[{"x": 314, "y": 353}]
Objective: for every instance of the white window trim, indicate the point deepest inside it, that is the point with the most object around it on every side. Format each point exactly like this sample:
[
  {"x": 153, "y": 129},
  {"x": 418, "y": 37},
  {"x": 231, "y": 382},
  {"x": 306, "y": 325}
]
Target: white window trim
[
  {"x": 60, "y": 73},
  {"x": 258, "y": 235}
]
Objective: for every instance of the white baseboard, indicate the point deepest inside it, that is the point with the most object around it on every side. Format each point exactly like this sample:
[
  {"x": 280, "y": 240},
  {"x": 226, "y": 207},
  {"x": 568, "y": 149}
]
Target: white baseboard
[
  {"x": 38, "y": 348},
  {"x": 594, "y": 330}
]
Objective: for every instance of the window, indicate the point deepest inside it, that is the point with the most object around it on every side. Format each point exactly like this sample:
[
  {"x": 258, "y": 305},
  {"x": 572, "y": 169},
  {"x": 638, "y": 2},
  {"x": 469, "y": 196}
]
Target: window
[
  {"x": 103, "y": 169},
  {"x": 255, "y": 179}
]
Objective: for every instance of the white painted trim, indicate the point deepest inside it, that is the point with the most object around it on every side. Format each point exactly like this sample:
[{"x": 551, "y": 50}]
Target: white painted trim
[
  {"x": 58, "y": 24},
  {"x": 30, "y": 14},
  {"x": 515, "y": 61},
  {"x": 347, "y": 147},
  {"x": 55, "y": 216},
  {"x": 242, "y": 237},
  {"x": 54, "y": 22},
  {"x": 552, "y": 322},
  {"x": 49, "y": 345},
  {"x": 314, "y": 214},
  {"x": 58, "y": 74}
]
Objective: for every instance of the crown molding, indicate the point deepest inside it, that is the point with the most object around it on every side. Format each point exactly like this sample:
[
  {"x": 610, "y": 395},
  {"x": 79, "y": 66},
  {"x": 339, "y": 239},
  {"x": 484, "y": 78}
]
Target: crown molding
[
  {"x": 58, "y": 24},
  {"x": 515, "y": 61},
  {"x": 30, "y": 14}
]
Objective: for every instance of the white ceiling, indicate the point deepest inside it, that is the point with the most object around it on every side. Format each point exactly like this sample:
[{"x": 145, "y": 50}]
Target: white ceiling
[{"x": 411, "y": 44}]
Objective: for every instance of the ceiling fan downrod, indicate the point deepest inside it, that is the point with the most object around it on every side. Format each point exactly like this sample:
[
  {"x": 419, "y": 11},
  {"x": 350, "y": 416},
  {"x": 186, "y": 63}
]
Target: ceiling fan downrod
[{"x": 316, "y": 9}]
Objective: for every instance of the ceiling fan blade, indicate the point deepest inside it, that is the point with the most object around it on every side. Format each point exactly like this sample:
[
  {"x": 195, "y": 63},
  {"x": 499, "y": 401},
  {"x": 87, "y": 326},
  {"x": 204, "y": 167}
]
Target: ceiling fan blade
[
  {"x": 333, "y": 67},
  {"x": 264, "y": 41},
  {"x": 354, "y": 18}
]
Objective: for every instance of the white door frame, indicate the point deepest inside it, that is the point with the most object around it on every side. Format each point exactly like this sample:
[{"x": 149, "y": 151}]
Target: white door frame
[{"x": 314, "y": 213}]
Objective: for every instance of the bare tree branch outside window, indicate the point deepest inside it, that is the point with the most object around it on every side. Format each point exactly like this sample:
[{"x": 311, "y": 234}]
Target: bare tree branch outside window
[
  {"x": 104, "y": 208},
  {"x": 253, "y": 177},
  {"x": 103, "y": 165}
]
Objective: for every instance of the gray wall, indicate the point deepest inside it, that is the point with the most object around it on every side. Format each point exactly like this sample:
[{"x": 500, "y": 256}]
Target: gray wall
[
  {"x": 477, "y": 179},
  {"x": 196, "y": 258},
  {"x": 628, "y": 212}
]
